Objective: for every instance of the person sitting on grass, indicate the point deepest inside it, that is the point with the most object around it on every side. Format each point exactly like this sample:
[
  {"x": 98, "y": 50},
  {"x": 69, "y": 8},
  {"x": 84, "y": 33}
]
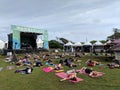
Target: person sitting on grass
[
  {"x": 27, "y": 55},
  {"x": 20, "y": 62},
  {"x": 71, "y": 75},
  {"x": 37, "y": 63},
  {"x": 69, "y": 62},
  {"x": 90, "y": 71},
  {"x": 49, "y": 62},
  {"x": 58, "y": 66},
  {"x": 35, "y": 56}
]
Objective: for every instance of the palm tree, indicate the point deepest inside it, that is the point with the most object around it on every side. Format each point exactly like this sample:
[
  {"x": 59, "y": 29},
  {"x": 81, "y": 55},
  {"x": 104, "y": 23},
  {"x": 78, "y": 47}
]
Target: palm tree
[
  {"x": 103, "y": 41},
  {"x": 82, "y": 43}
]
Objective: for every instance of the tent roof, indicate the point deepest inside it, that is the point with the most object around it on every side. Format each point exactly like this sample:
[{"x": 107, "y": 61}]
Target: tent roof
[
  {"x": 98, "y": 43},
  {"x": 87, "y": 43},
  {"x": 77, "y": 44},
  {"x": 68, "y": 44},
  {"x": 109, "y": 41}
]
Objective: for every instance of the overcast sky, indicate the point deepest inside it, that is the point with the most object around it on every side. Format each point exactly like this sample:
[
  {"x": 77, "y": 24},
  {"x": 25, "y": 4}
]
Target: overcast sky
[{"x": 76, "y": 20}]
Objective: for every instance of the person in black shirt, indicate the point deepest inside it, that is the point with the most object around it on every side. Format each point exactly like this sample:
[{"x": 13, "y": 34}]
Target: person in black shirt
[{"x": 90, "y": 71}]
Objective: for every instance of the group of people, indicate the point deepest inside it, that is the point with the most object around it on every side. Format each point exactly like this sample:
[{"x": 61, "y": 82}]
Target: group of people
[{"x": 71, "y": 74}]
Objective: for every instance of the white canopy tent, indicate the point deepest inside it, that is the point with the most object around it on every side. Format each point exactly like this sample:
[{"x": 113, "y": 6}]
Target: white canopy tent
[
  {"x": 2, "y": 44},
  {"x": 98, "y": 43},
  {"x": 69, "y": 44},
  {"x": 77, "y": 46},
  {"x": 98, "y": 46},
  {"x": 87, "y": 47},
  {"x": 87, "y": 43}
]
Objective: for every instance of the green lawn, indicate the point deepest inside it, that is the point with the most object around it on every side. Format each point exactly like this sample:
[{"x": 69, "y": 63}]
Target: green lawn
[{"x": 40, "y": 80}]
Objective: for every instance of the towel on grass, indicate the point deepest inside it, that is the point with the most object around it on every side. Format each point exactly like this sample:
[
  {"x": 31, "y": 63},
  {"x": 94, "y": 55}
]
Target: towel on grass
[{"x": 58, "y": 71}]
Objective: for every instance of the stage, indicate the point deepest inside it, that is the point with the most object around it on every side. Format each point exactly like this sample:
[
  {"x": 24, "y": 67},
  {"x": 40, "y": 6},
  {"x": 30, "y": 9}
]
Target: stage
[{"x": 24, "y": 38}]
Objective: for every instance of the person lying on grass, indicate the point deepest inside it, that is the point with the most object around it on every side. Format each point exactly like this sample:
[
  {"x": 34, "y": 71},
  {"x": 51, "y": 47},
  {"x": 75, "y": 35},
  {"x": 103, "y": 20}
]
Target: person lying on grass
[
  {"x": 90, "y": 71},
  {"x": 92, "y": 63},
  {"x": 8, "y": 59},
  {"x": 113, "y": 65},
  {"x": 27, "y": 70},
  {"x": 71, "y": 75}
]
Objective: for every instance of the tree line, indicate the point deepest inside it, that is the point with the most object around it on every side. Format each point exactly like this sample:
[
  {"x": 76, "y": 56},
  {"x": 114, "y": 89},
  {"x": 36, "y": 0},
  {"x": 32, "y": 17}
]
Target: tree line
[{"x": 61, "y": 41}]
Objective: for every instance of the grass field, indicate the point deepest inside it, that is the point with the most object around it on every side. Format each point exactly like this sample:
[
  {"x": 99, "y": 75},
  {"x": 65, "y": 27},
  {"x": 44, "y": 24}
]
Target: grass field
[{"x": 40, "y": 80}]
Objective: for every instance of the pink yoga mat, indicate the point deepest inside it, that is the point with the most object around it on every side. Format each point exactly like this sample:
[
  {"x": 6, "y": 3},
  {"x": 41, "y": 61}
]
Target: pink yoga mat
[
  {"x": 47, "y": 69},
  {"x": 64, "y": 75}
]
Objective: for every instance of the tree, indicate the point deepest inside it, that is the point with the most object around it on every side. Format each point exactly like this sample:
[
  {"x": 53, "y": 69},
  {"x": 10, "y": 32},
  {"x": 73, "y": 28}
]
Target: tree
[
  {"x": 82, "y": 43},
  {"x": 103, "y": 41},
  {"x": 116, "y": 34},
  {"x": 64, "y": 40},
  {"x": 93, "y": 42},
  {"x": 55, "y": 44}
]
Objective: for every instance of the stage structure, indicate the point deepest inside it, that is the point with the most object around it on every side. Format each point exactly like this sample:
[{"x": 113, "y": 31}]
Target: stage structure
[{"x": 22, "y": 36}]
